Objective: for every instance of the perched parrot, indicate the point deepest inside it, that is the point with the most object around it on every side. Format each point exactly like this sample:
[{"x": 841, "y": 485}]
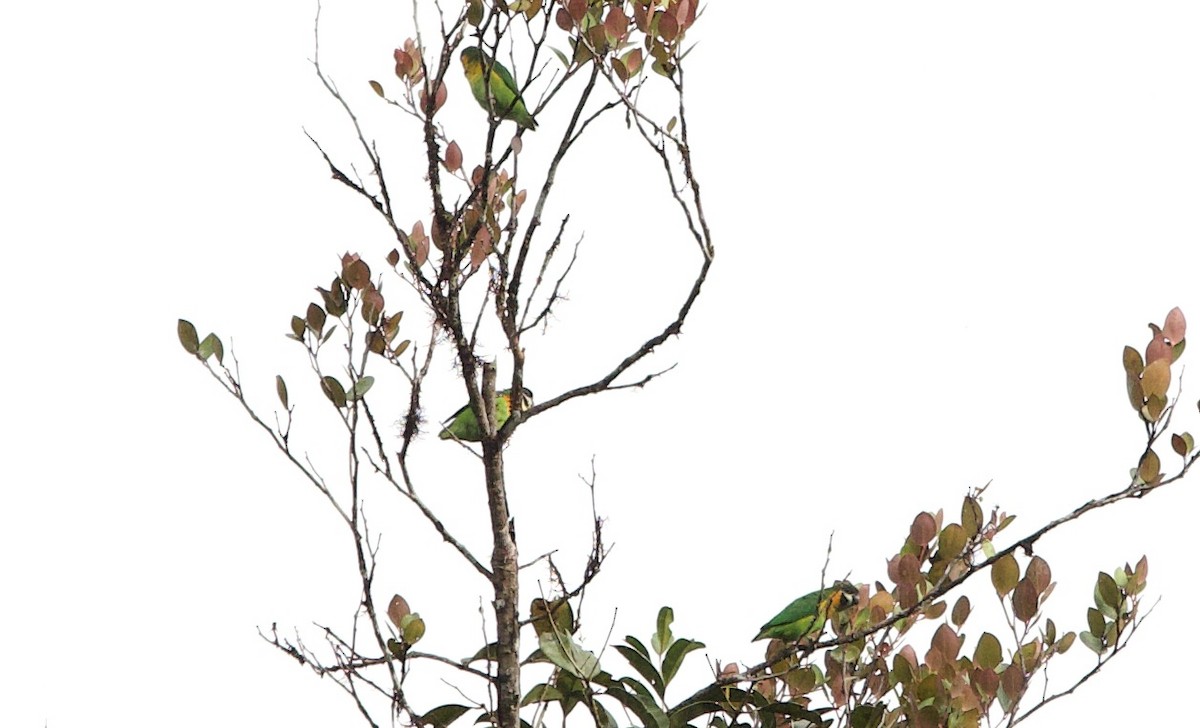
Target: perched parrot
[
  {"x": 805, "y": 617},
  {"x": 506, "y": 97},
  {"x": 463, "y": 425}
]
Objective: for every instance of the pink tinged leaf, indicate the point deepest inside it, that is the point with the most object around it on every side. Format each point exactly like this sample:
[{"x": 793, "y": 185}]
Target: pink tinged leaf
[
  {"x": 619, "y": 68},
  {"x": 616, "y": 24},
  {"x": 685, "y": 12},
  {"x": 1158, "y": 348},
  {"x": 1175, "y": 327},
  {"x": 404, "y": 63},
  {"x": 923, "y": 529},
  {"x": 577, "y": 9},
  {"x": 516, "y": 145},
  {"x": 477, "y": 175},
  {"x": 398, "y": 610},
  {"x": 563, "y": 20},
  {"x": 439, "y": 99},
  {"x": 372, "y": 305},
  {"x": 453, "y": 157},
  {"x": 947, "y": 642},
  {"x": 668, "y": 27},
  {"x": 481, "y": 246},
  {"x": 1038, "y": 573},
  {"x": 633, "y": 61},
  {"x": 1025, "y": 600},
  {"x": 356, "y": 274}
]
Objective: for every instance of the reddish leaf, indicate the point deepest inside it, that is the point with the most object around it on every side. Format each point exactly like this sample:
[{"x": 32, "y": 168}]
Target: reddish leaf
[
  {"x": 481, "y": 246},
  {"x": 439, "y": 99},
  {"x": 1025, "y": 600},
  {"x": 563, "y": 19},
  {"x": 616, "y": 24},
  {"x": 668, "y": 27},
  {"x": 404, "y": 64},
  {"x": 908, "y": 570},
  {"x": 947, "y": 642},
  {"x": 397, "y": 610},
  {"x": 923, "y": 529},
  {"x": 1013, "y": 682},
  {"x": 315, "y": 318},
  {"x": 372, "y": 305},
  {"x": 1038, "y": 572},
  {"x": 1175, "y": 327},
  {"x": 962, "y": 609},
  {"x": 577, "y": 9},
  {"x": 453, "y": 160},
  {"x": 1158, "y": 348},
  {"x": 357, "y": 274}
]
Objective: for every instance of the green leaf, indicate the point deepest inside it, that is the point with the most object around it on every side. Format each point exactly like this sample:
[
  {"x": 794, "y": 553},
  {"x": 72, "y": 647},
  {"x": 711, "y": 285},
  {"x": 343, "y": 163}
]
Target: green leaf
[
  {"x": 682, "y": 714},
  {"x": 1092, "y": 641},
  {"x": 867, "y": 716},
  {"x": 1107, "y": 595},
  {"x": 334, "y": 391},
  {"x": 1065, "y": 643},
  {"x": 187, "y": 336},
  {"x": 972, "y": 516},
  {"x": 542, "y": 693},
  {"x": 412, "y": 628},
  {"x": 987, "y": 652},
  {"x": 641, "y": 703},
  {"x": 601, "y": 715},
  {"x": 443, "y": 715},
  {"x": 1005, "y": 574},
  {"x": 662, "y": 637},
  {"x": 1149, "y": 468},
  {"x": 566, "y": 654},
  {"x": 488, "y": 652},
  {"x": 675, "y": 654},
  {"x": 281, "y": 390},
  {"x": 642, "y": 664},
  {"x": 637, "y": 645},
  {"x": 952, "y": 540},
  {"x": 212, "y": 346},
  {"x": 1096, "y": 623},
  {"x": 363, "y": 386}
]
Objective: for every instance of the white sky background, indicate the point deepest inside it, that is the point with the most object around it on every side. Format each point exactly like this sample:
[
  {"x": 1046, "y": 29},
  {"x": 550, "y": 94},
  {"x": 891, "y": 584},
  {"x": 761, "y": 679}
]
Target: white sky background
[{"x": 936, "y": 228}]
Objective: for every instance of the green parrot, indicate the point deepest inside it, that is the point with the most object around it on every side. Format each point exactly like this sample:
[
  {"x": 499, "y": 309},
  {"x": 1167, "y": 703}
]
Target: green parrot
[
  {"x": 463, "y": 425},
  {"x": 805, "y": 617},
  {"x": 506, "y": 97}
]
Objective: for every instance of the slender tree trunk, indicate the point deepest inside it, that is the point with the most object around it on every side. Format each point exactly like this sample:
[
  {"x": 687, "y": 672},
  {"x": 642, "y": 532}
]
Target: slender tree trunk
[{"x": 504, "y": 582}]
